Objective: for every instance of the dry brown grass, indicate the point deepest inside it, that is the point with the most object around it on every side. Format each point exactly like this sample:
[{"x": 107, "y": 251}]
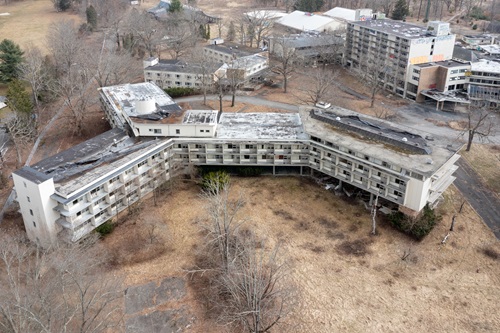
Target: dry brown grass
[
  {"x": 485, "y": 160},
  {"x": 349, "y": 281},
  {"x": 29, "y": 21}
]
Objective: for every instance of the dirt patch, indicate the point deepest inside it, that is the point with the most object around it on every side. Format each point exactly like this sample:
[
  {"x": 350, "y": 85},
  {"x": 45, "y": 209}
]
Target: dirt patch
[{"x": 357, "y": 247}]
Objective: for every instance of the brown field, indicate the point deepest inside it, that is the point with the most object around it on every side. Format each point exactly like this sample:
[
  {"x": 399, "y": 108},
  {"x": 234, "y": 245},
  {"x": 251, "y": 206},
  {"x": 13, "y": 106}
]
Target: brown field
[
  {"x": 29, "y": 21},
  {"x": 452, "y": 287},
  {"x": 485, "y": 160}
]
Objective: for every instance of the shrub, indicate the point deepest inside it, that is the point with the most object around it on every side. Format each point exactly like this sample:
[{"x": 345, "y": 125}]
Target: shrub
[
  {"x": 249, "y": 171},
  {"x": 180, "y": 91},
  {"x": 474, "y": 27},
  {"x": 105, "y": 229},
  {"x": 477, "y": 13},
  {"x": 417, "y": 228},
  {"x": 214, "y": 181}
]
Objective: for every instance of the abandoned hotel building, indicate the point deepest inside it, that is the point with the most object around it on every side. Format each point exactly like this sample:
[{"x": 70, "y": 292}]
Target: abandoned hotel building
[{"x": 68, "y": 195}]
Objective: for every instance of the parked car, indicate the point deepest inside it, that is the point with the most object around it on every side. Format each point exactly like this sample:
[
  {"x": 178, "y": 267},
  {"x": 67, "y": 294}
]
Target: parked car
[{"x": 323, "y": 105}]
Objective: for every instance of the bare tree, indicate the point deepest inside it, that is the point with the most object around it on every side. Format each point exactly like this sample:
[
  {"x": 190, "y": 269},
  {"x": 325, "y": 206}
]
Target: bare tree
[
  {"x": 180, "y": 39},
  {"x": 61, "y": 289},
  {"x": 235, "y": 76},
  {"x": 373, "y": 72},
  {"x": 220, "y": 87},
  {"x": 64, "y": 43},
  {"x": 260, "y": 23},
  {"x": 153, "y": 226},
  {"x": 147, "y": 29},
  {"x": 223, "y": 223},
  {"x": 257, "y": 296},
  {"x": 33, "y": 71},
  {"x": 22, "y": 130},
  {"x": 286, "y": 59},
  {"x": 113, "y": 66},
  {"x": 481, "y": 123},
  {"x": 207, "y": 71},
  {"x": 322, "y": 80}
]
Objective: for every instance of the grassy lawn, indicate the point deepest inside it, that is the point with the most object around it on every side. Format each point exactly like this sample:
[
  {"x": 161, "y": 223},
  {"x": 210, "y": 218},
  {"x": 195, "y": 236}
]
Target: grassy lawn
[
  {"x": 485, "y": 159},
  {"x": 29, "y": 21}
]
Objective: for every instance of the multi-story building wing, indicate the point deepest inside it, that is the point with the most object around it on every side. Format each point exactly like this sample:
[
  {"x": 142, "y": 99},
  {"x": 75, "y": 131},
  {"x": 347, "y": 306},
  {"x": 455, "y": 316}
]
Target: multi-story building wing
[
  {"x": 442, "y": 81},
  {"x": 177, "y": 73},
  {"x": 394, "y": 46},
  {"x": 484, "y": 83},
  {"x": 68, "y": 195}
]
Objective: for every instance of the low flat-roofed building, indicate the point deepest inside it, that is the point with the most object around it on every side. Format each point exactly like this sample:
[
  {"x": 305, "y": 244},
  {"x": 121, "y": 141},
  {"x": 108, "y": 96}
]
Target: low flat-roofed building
[
  {"x": 228, "y": 52},
  {"x": 299, "y": 21},
  {"x": 309, "y": 48},
  {"x": 346, "y": 14},
  {"x": 483, "y": 39},
  {"x": 443, "y": 81},
  {"x": 146, "y": 110},
  {"x": 177, "y": 73},
  {"x": 68, "y": 195}
]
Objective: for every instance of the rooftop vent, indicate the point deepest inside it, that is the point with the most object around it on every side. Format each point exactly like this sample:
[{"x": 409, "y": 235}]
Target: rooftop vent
[
  {"x": 429, "y": 161},
  {"x": 404, "y": 139},
  {"x": 337, "y": 119}
]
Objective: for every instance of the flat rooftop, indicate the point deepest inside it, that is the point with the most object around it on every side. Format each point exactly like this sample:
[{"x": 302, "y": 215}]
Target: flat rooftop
[
  {"x": 305, "y": 21},
  {"x": 445, "y": 63},
  {"x": 236, "y": 50},
  {"x": 147, "y": 103},
  {"x": 426, "y": 164},
  {"x": 180, "y": 66},
  {"x": 485, "y": 65},
  {"x": 264, "y": 125},
  {"x": 397, "y": 28}
]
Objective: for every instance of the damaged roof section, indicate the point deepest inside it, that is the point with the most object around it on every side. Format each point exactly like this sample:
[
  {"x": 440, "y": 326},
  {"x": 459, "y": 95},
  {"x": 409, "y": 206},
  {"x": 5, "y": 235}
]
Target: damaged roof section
[
  {"x": 374, "y": 129},
  {"x": 101, "y": 155},
  {"x": 276, "y": 126}
]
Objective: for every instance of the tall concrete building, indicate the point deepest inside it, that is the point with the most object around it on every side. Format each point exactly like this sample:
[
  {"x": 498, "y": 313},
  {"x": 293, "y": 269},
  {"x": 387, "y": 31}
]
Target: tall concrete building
[{"x": 393, "y": 46}]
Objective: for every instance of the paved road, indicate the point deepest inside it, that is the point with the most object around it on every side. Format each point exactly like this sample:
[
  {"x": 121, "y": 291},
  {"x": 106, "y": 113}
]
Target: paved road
[{"x": 484, "y": 201}]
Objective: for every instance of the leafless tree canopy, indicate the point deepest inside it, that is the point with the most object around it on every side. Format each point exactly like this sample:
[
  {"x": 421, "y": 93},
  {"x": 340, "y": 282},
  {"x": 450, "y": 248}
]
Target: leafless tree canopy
[
  {"x": 481, "y": 123},
  {"x": 250, "y": 291},
  {"x": 33, "y": 71},
  {"x": 56, "y": 290},
  {"x": 285, "y": 61},
  {"x": 322, "y": 79}
]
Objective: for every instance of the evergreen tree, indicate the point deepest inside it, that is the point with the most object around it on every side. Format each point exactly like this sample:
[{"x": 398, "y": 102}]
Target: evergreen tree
[
  {"x": 231, "y": 32},
  {"x": 202, "y": 31},
  {"x": 62, "y": 5},
  {"x": 91, "y": 17},
  {"x": 19, "y": 99},
  {"x": 175, "y": 6},
  {"x": 10, "y": 58},
  {"x": 207, "y": 34},
  {"x": 309, "y": 5},
  {"x": 400, "y": 10}
]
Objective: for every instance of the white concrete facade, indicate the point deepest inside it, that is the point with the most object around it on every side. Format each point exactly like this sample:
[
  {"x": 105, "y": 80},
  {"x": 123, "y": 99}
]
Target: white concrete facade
[{"x": 57, "y": 202}]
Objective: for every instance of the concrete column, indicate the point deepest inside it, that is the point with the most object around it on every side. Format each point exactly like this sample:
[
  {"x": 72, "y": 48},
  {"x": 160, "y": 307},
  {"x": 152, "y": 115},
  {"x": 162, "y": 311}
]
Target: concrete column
[{"x": 371, "y": 200}]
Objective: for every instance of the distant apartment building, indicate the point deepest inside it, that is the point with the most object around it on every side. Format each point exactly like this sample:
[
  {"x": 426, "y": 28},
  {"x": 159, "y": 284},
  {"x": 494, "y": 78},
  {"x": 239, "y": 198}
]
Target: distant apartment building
[
  {"x": 246, "y": 61},
  {"x": 180, "y": 74},
  {"x": 68, "y": 195},
  {"x": 483, "y": 85},
  {"x": 394, "y": 46}
]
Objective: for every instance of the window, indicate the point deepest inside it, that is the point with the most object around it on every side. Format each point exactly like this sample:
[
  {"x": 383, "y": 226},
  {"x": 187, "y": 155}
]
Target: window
[
  {"x": 28, "y": 198},
  {"x": 34, "y": 224},
  {"x": 178, "y": 83},
  {"x": 202, "y": 131},
  {"x": 177, "y": 131},
  {"x": 177, "y": 76},
  {"x": 24, "y": 184},
  {"x": 157, "y": 131},
  {"x": 31, "y": 212}
]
